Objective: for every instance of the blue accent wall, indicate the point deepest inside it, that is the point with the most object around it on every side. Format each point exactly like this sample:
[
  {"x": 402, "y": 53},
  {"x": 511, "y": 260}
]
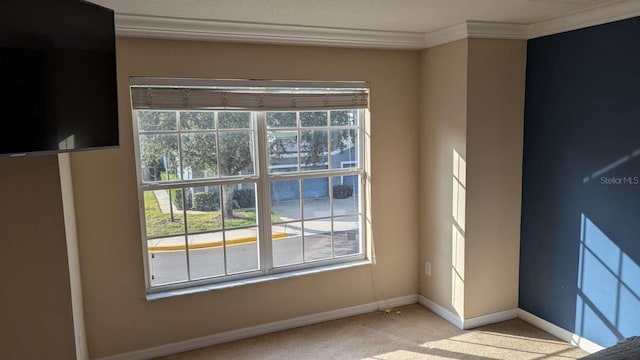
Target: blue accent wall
[{"x": 580, "y": 240}]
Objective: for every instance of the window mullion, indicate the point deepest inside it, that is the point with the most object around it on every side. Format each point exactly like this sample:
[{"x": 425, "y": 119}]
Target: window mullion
[
  {"x": 186, "y": 231},
  {"x": 363, "y": 159},
  {"x": 223, "y": 230},
  {"x": 330, "y": 144},
  {"x": 302, "y": 217},
  {"x": 299, "y": 138},
  {"x": 264, "y": 195},
  {"x": 217, "y": 149},
  {"x": 361, "y": 134},
  {"x": 184, "y": 196},
  {"x": 180, "y": 157},
  {"x": 200, "y": 182},
  {"x": 333, "y": 245}
]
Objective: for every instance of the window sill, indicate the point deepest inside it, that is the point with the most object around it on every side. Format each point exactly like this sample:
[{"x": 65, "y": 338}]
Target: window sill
[{"x": 255, "y": 280}]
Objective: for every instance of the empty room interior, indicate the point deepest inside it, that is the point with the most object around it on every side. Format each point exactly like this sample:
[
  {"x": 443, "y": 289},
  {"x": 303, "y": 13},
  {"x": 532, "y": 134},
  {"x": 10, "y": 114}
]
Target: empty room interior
[{"x": 445, "y": 166}]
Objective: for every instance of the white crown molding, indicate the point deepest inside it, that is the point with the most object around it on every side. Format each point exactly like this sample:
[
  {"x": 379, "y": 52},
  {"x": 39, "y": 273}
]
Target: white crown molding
[
  {"x": 446, "y": 35},
  {"x": 594, "y": 16},
  {"x": 130, "y": 25},
  {"x": 492, "y": 30},
  {"x": 476, "y": 30}
]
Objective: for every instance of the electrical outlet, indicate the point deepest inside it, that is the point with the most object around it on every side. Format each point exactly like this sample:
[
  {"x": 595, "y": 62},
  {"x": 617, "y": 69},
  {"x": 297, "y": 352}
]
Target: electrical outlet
[{"x": 427, "y": 268}]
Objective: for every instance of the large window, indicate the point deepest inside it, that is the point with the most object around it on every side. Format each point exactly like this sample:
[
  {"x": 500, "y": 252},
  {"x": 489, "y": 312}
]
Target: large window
[{"x": 265, "y": 187}]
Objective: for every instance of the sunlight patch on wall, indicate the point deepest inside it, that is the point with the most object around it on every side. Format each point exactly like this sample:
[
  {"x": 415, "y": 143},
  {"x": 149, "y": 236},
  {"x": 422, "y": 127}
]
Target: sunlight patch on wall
[
  {"x": 459, "y": 183},
  {"x": 457, "y": 271},
  {"x": 608, "y": 288},
  {"x": 459, "y": 189}
]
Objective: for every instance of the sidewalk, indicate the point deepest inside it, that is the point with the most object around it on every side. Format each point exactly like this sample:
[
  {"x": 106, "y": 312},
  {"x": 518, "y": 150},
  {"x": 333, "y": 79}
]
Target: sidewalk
[
  {"x": 287, "y": 211},
  {"x": 162, "y": 197}
]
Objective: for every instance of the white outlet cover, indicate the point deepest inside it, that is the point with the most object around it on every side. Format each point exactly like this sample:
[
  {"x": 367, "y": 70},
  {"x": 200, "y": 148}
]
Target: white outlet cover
[{"x": 427, "y": 268}]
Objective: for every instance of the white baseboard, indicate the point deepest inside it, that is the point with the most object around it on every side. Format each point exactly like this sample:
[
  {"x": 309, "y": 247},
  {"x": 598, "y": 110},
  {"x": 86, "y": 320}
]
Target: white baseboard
[
  {"x": 446, "y": 314},
  {"x": 560, "y": 333},
  {"x": 227, "y": 336},
  {"x": 466, "y": 324},
  {"x": 490, "y": 319}
]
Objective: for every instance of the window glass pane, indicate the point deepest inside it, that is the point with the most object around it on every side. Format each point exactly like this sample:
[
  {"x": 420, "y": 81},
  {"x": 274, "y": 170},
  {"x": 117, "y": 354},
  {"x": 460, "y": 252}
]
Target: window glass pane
[
  {"x": 239, "y": 205},
  {"x": 206, "y": 255},
  {"x": 199, "y": 156},
  {"x": 167, "y": 267},
  {"x": 163, "y": 214},
  {"x": 317, "y": 240},
  {"x": 159, "y": 159},
  {"x": 281, "y": 119},
  {"x": 235, "y": 153},
  {"x": 344, "y": 152},
  {"x": 203, "y": 208},
  {"x": 345, "y": 194},
  {"x": 234, "y": 120},
  {"x": 346, "y": 236},
  {"x": 287, "y": 244},
  {"x": 197, "y": 120},
  {"x": 316, "y": 118},
  {"x": 314, "y": 145},
  {"x": 156, "y": 120},
  {"x": 209, "y": 229},
  {"x": 242, "y": 250},
  {"x": 283, "y": 151},
  {"x": 316, "y": 198},
  {"x": 344, "y": 118},
  {"x": 285, "y": 199}
]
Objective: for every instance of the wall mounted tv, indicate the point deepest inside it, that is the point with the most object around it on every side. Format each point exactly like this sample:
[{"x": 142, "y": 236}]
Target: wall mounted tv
[{"x": 58, "y": 77}]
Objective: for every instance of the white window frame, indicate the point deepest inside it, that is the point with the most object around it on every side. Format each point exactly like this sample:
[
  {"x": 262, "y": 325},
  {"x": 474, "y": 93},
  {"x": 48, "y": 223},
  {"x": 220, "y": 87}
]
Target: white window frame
[
  {"x": 342, "y": 166},
  {"x": 262, "y": 180}
]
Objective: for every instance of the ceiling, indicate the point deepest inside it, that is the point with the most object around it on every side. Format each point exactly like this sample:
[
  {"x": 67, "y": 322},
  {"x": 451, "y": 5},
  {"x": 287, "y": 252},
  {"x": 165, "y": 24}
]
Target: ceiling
[{"x": 409, "y": 16}]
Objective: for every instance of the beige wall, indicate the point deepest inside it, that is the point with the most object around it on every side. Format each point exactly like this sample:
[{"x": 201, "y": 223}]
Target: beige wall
[
  {"x": 119, "y": 319},
  {"x": 494, "y": 174},
  {"x": 443, "y": 121},
  {"x": 35, "y": 299},
  {"x": 471, "y": 106},
  {"x": 465, "y": 96}
]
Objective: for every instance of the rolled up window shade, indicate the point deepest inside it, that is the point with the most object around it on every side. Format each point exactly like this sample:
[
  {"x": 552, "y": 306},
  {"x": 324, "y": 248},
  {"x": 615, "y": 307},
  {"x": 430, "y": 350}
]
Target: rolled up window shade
[{"x": 257, "y": 95}]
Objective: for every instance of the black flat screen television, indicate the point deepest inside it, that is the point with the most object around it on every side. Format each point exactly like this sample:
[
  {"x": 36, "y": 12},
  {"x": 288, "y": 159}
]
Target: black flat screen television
[{"x": 57, "y": 77}]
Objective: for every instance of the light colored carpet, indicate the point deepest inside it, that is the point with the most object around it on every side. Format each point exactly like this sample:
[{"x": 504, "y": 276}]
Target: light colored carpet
[{"x": 409, "y": 332}]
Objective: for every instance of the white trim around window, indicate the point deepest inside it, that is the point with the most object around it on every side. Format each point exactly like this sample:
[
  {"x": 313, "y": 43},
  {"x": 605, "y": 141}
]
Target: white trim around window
[{"x": 216, "y": 207}]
